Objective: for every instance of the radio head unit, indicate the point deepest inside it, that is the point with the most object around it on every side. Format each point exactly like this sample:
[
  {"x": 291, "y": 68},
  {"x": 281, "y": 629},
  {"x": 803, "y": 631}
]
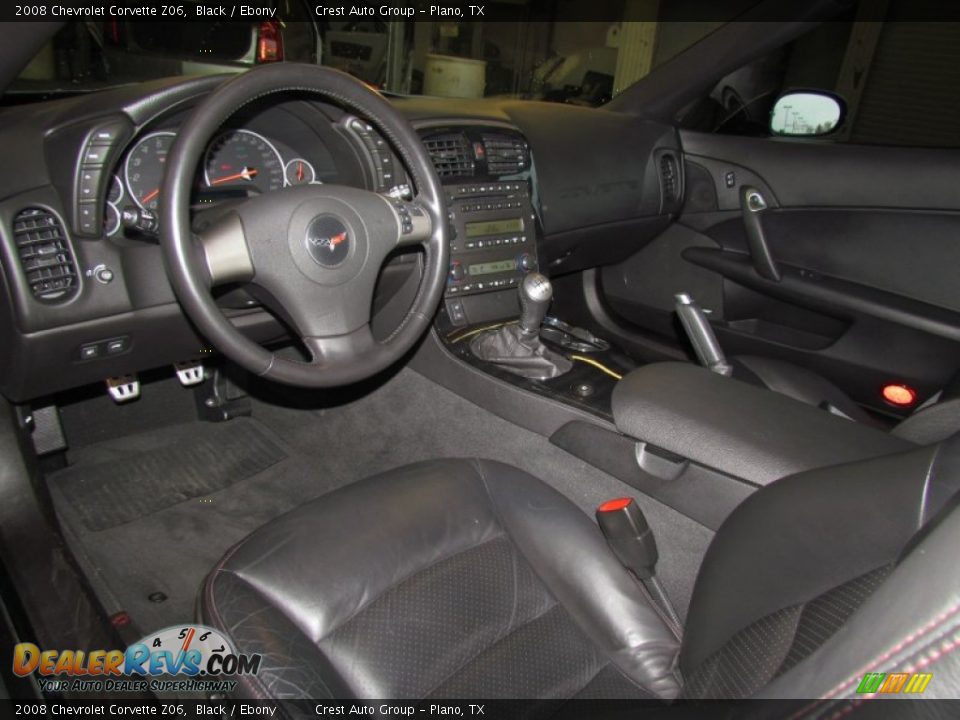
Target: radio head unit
[{"x": 493, "y": 236}]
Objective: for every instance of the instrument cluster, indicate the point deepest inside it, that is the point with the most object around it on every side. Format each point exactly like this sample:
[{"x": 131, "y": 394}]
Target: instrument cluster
[{"x": 237, "y": 163}]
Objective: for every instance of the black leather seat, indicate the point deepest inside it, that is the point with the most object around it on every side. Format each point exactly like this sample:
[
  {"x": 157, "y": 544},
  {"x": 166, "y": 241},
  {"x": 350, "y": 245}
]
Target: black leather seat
[
  {"x": 935, "y": 420},
  {"x": 470, "y": 578}
]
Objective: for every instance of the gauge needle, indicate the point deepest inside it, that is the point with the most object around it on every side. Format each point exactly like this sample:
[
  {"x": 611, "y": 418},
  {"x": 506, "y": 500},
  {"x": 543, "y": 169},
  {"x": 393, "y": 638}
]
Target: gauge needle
[
  {"x": 150, "y": 196},
  {"x": 186, "y": 645},
  {"x": 299, "y": 171},
  {"x": 247, "y": 173}
]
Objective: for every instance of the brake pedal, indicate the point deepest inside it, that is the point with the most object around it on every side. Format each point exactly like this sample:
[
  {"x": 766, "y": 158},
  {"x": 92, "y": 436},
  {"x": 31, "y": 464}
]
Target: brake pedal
[
  {"x": 123, "y": 388},
  {"x": 189, "y": 373}
]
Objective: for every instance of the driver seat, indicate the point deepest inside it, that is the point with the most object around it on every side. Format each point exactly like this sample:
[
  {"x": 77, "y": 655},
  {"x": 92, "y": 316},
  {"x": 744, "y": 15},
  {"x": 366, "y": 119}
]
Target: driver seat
[{"x": 470, "y": 578}]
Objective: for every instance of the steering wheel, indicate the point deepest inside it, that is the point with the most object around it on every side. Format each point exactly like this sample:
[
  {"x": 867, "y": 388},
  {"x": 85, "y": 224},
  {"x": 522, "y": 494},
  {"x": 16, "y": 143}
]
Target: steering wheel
[{"x": 315, "y": 251}]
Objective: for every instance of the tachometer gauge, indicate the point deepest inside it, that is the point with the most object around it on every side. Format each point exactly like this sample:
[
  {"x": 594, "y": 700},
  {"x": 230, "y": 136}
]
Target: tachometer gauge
[
  {"x": 144, "y": 168},
  {"x": 241, "y": 158},
  {"x": 299, "y": 172}
]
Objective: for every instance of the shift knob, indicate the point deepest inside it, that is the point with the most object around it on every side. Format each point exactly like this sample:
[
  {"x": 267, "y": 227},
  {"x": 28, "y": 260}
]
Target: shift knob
[{"x": 535, "y": 295}]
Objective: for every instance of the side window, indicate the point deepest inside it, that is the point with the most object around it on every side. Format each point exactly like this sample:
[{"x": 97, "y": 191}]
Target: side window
[{"x": 897, "y": 79}]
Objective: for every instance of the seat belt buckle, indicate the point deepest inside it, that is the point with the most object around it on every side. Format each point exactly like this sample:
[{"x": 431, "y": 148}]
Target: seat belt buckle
[{"x": 629, "y": 535}]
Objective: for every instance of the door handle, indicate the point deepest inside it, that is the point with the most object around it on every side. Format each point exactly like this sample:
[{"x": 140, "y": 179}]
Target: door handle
[{"x": 752, "y": 206}]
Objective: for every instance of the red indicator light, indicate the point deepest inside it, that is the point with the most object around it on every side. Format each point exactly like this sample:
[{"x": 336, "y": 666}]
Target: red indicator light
[
  {"x": 616, "y": 504},
  {"x": 899, "y": 395},
  {"x": 270, "y": 42}
]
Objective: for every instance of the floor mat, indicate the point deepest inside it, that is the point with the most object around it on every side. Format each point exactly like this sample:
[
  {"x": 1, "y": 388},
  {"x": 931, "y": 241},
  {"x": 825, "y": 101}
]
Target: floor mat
[{"x": 118, "y": 491}]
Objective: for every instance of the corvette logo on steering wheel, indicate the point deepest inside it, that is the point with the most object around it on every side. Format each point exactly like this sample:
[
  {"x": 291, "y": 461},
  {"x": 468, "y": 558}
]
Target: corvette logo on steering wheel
[
  {"x": 327, "y": 241},
  {"x": 330, "y": 243}
]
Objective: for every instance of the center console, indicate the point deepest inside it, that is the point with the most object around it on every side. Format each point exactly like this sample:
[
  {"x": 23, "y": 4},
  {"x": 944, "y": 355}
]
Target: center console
[
  {"x": 487, "y": 176},
  {"x": 490, "y": 186}
]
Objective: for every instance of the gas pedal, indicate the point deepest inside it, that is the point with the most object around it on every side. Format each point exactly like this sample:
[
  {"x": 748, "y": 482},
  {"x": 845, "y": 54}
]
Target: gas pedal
[{"x": 123, "y": 388}]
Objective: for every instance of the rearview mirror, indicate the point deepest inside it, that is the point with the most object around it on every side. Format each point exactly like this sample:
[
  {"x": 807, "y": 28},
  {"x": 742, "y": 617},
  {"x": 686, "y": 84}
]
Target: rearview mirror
[{"x": 806, "y": 113}]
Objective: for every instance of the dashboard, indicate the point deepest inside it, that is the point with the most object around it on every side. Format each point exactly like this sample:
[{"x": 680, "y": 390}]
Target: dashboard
[{"x": 527, "y": 186}]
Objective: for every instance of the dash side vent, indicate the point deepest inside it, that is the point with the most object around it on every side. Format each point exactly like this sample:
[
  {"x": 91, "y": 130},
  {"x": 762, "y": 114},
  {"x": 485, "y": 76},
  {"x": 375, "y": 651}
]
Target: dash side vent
[
  {"x": 669, "y": 179},
  {"x": 45, "y": 255},
  {"x": 506, "y": 154},
  {"x": 451, "y": 155}
]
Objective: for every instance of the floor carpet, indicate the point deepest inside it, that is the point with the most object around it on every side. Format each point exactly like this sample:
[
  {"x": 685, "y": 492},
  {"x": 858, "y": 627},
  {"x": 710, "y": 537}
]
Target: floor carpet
[{"x": 148, "y": 514}]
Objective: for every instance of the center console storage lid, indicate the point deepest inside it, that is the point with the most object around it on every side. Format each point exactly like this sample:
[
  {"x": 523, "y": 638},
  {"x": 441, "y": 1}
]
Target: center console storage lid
[{"x": 740, "y": 429}]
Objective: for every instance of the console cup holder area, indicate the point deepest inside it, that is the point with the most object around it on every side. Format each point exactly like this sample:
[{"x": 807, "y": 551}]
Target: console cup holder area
[{"x": 572, "y": 338}]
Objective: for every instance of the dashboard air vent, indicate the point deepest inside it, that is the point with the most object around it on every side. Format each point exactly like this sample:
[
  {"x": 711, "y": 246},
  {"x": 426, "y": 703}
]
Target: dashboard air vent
[
  {"x": 45, "y": 254},
  {"x": 669, "y": 179},
  {"x": 451, "y": 154},
  {"x": 506, "y": 154}
]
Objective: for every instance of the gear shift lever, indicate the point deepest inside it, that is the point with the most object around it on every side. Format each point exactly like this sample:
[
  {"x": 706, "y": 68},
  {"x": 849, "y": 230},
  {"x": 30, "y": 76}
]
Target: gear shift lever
[
  {"x": 536, "y": 292},
  {"x": 517, "y": 347}
]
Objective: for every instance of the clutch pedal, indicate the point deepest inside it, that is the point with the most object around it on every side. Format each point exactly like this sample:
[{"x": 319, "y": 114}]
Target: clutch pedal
[{"x": 123, "y": 388}]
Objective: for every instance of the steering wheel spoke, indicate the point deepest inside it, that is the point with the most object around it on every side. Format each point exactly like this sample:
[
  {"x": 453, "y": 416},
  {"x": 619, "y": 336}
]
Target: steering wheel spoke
[
  {"x": 225, "y": 251},
  {"x": 318, "y": 311},
  {"x": 413, "y": 221},
  {"x": 327, "y": 350}
]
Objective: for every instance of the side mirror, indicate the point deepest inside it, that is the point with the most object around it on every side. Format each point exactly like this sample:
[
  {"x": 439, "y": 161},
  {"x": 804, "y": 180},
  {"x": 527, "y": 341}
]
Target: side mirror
[{"x": 806, "y": 113}]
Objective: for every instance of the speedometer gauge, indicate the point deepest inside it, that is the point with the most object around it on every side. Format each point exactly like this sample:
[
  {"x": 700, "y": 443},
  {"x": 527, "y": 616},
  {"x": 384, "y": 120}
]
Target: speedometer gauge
[
  {"x": 241, "y": 158},
  {"x": 144, "y": 168}
]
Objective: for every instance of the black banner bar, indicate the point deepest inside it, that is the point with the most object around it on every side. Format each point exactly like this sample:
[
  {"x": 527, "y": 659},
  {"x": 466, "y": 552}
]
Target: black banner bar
[
  {"x": 467, "y": 10},
  {"x": 482, "y": 709}
]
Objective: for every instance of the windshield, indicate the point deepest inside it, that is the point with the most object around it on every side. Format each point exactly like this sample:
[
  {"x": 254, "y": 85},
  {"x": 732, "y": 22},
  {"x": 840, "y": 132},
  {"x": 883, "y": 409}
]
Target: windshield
[{"x": 583, "y": 63}]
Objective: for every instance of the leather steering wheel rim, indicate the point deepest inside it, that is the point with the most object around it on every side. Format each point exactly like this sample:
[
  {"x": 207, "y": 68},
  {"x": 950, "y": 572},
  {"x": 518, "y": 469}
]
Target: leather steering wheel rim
[{"x": 256, "y": 244}]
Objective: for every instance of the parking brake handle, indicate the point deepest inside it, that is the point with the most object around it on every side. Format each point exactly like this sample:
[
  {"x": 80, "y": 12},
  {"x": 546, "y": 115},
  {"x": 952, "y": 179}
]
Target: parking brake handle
[
  {"x": 752, "y": 206},
  {"x": 701, "y": 335}
]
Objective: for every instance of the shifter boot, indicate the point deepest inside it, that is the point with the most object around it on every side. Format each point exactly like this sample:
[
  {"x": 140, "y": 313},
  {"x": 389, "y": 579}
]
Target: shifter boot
[{"x": 522, "y": 354}]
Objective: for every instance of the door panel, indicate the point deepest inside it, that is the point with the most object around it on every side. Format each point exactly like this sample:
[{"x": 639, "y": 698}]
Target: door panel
[
  {"x": 867, "y": 240},
  {"x": 907, "y": 253}
]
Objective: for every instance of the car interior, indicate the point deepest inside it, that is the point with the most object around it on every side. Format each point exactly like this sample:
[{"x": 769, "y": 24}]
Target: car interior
[{"x": 423, "y": 397}]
